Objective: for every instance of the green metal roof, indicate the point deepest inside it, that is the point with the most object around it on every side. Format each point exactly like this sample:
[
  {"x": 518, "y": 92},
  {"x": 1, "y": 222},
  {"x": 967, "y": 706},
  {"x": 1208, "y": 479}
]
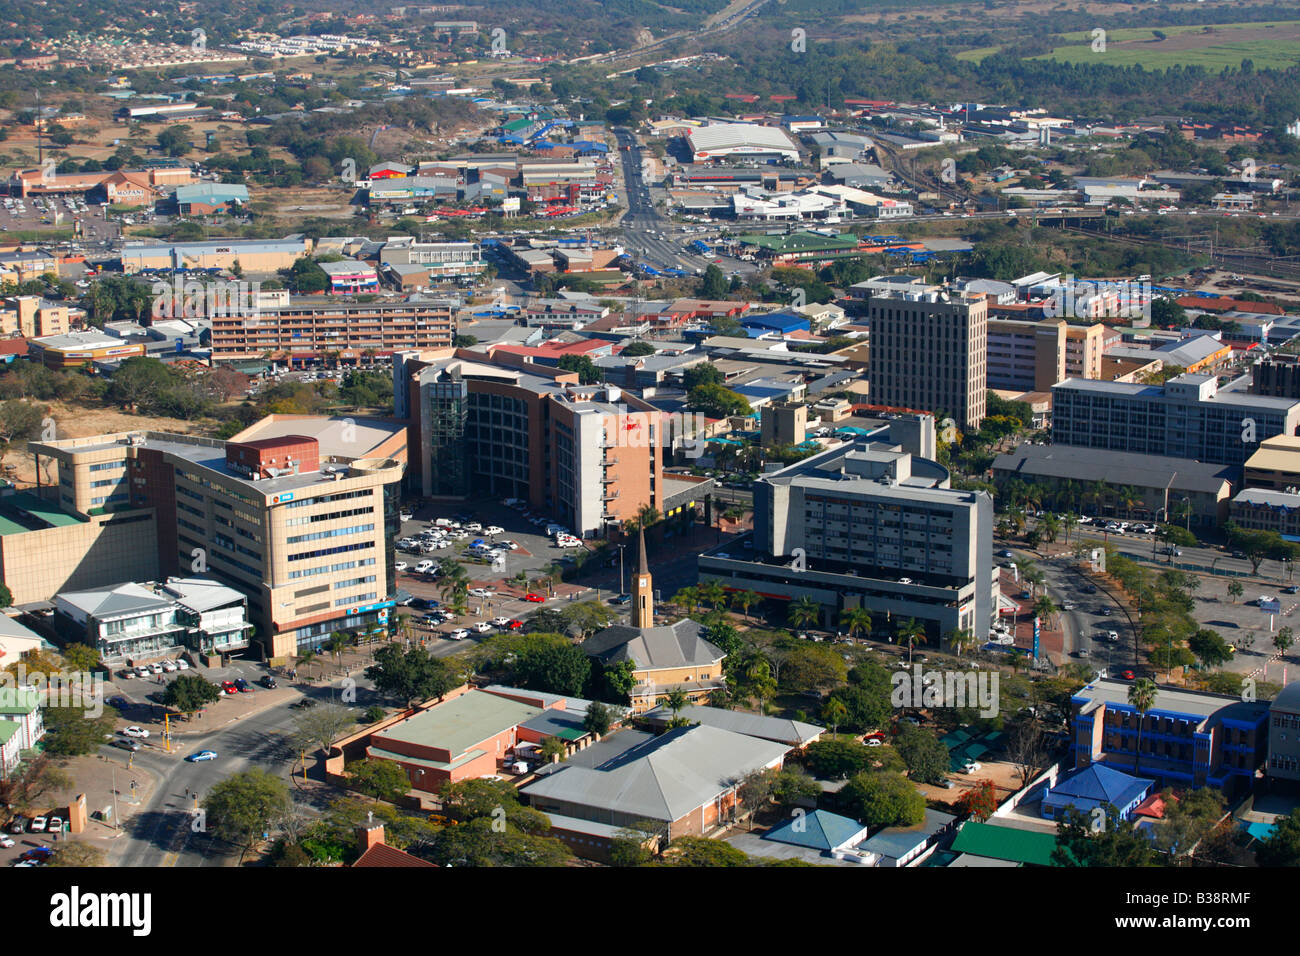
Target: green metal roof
[
  {"x": 1006, "y": 843},
  {"x": 461, "y": 724},
  {"x": 8, "y": 728},
  {"x": 14, "y": 700},
  {"x": 801, "y": 242},
  {"x": 38, "y": 508}
]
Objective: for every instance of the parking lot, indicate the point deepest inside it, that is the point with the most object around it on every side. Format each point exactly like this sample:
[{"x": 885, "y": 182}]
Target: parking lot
[
  {"x": 39, "y": 212},
  {"x": 535, "y": 552}
]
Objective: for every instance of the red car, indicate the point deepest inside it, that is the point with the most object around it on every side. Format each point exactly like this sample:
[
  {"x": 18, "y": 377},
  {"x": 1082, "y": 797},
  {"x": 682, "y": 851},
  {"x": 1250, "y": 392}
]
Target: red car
[
  {"x": 229, "y": 687},
  {"x": 515, "y": 625},
  {"x": 1127, "y": 675},
  {"x": 534, "y": 598},
  {"x": 874, "y": 735}
]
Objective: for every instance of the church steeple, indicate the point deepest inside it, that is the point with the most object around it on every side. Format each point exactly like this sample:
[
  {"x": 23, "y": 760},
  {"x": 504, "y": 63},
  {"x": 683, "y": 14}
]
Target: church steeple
[{"x": 643, "y": 613}]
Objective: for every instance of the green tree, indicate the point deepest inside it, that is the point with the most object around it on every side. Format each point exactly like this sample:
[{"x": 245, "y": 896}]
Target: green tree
[
  {"x": 1235, "y": 590},
  {"x": 924, "y": 754},
  {"x": 1142, "y": 696},
  {"x": 714, "y": 283},
  {"x": 190, "y": 692},
  {"x": 381, "y": 779},
  {"x": 554, "y": 668},
  {"x": 598, "y": 719},
  {"x": 834, "y": 713},
  {"x": 1211, "y": 649},
  {"x": 244, "y": 806},
  {"x": 856, "y": 620},
  {"x": 71, "y": 731},
  {"x": 1115, "y": 842},
  {"x": 703, "y": 852},
  {"x": 803, "y": 613},
  {"x": 837, "y": 759},
  {"x": 883, "y": 799},
  {"x": 321, "y": 726},
  {"x": 715, "y": 401},
  {"x": 1283, "y": 847}
]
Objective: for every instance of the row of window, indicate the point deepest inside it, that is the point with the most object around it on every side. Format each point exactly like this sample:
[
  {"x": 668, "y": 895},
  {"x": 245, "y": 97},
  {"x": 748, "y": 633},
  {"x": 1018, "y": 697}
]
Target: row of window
[
  {"x": 336, "y": 533},
  {"x": 368, "y": 579},
  {"x": 355, "y": 599},
  {"x": 338, "y": 549},
  {"x": 331, "y": 568},
  {"x": 323, "y": 499},
  {"x": 109, "y": 466},
  {"x": 330, "y": 516}
]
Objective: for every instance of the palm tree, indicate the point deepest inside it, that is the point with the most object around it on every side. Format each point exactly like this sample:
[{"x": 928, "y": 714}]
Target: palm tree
[
  {"x": 803, "y": 612},
  {"x": 677, "y": 701},
  {"x": 1050, "y": 527},
  {"x": 1044, "y": 608},
  {"x": 911, "y": 632},
  {"x": 856, "y": 620},
  {"x": 1069, "y": 521},
  {"x": 688, "y": 598},
  {"x": 959, "y": 639},
  {"x": 714, "y": 593},
  {"x": 337, "y": 641},
  {"x": 834, "y": 713},
  {"x": 306, "y": 656},
  {"x": 1142, "y": 695},
  {"x": 745, "y": 600}
]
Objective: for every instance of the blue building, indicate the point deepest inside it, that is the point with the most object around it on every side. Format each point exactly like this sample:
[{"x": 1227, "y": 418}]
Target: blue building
[
  {"x": 1085, "y": 790},
  {"x": 782, "y": 322},
  {"x": 1187, "y": 738}
]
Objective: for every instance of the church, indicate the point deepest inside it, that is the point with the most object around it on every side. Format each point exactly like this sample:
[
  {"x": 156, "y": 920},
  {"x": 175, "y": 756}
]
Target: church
[{"x": 664, "y": 657}]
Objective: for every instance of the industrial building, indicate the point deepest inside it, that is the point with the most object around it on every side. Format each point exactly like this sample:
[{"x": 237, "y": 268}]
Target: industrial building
[
  {"x": 726, "y": 141},
  {"x": 255, "y": 256}
]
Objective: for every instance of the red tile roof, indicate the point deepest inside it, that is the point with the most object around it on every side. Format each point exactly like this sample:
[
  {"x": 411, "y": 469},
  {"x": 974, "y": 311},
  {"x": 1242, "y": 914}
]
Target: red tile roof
[{"x": 383, "y": 855}]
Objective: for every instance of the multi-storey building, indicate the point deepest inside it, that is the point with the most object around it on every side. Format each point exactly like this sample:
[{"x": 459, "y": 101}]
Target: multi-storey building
[
  {"x": 589, "y": 454},
  {"x": 1026, "y": 356},
  {"x": 929, "y": 351},
  {"x": 1187, "y": 738},
  {"x": 305, "y": 330},
  {"x": 1277, "y": 375},
  {"x": 1187, "y": 417},
  {"x": 299, "y": 515},
  {"x": 1284, "y": 734},
  {"x": 445, "y": 260},
  {"x": 1084, "y": 347},
  {"x": 255, "y": 256},
  {"x": 869, "y": 526}
]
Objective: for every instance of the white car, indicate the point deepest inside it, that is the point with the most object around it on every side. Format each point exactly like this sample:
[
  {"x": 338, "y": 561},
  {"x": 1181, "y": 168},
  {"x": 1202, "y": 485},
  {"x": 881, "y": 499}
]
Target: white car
[
  {"x": 500, "y": 621},
  {"x": 182, "y": 665},
  {"x": 482, "y": 627},
  {"x": 135, "y": 732},
  {"x": 424, "y": 567},
  {"x": 494, "y": 530},
  {"x": 474, "y": 526},
  {"x": 400, "y": 566},
  {"x": 141, "y": 671},
  {"x": 481, "y": 592},
  {"x": 442, "y": 522},
  {"x": 37, "y": 825},
  {"x": 971, "y": 766},
  {"x": 459, "y": 634},
  {"x": 169, "y": 666},
  {"x": 155, "y": 668}
]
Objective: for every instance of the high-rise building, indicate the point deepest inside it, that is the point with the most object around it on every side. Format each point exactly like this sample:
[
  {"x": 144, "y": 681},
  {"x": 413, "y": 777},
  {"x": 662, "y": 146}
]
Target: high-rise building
[
  {"x": 1026, "y": 356},
  {"x": 1187, "y": 417},
  {"x": 299, "y": 514},
  {"x": 588, "y": 454},
  {"x": 868, "y": 526},
  {"x": 929, "y": 351}
]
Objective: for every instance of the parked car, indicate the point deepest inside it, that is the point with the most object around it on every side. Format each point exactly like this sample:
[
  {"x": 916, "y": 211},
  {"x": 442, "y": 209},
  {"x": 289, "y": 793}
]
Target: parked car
[
  {"x": 242, "y": 685},
  {"x": 493, "y": 530},
  {"x": 268, "y": 682},
  {"x": 37, "y": 825},
  {"x": 1291, "y": 589},
  {"x": 169, "y": 666},
  {"x": 56, "y": 825},
  {"x": 1127, "y": 675},
  {"x": 971, "y": 766},
  {"x": 424, "y": 567},
  {"x": 229, "y": 687},
  {"x": 400, "y": 566},
  {"x": 6, "y": 843}
]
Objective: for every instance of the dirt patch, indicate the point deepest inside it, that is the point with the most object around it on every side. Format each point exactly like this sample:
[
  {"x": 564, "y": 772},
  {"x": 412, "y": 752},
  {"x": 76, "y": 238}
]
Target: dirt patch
[{"x": 72, "y": 421}]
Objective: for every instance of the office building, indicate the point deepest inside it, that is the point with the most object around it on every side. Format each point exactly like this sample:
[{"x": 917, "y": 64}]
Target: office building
[
  {"x": 130, "y": 623},
  {"x": 1276, "y": 375},
  {"x": 80, "y": 349},
  {"x": 1178, "y": 490},
  {"x": 871, "y": 526},
  {"x": 1284, "y": 735},
  {"x": 442, "y": 260},
  {"x": 588, "y": 454},
  {"x": 1275, "y": 465},
  {"x": 33, "y": 317},
  {"x": 255, "y": 256},
  {"x": 929, "y": 352},
  {"x": 1026, "y": 356},
  {"x": 783, "y": 423},
  {"x": 298, "y": 514},
  {"x": 310, "y": 330},
  {"x": 1187, "y": 738},
  {"x": 1187, "y": 417}
]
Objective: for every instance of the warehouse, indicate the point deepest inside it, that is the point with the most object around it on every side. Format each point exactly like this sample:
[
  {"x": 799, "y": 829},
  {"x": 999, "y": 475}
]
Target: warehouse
[
  {"x": 256, "y": 256},
  {"x": 722, "y": 141}
]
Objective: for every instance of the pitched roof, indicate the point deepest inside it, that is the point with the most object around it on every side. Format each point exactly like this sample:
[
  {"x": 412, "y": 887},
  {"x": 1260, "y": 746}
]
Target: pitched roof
[
  {"x": 1096, "y": 784},
  {"x": 897, "y": 842},
  {"x": 793, "y": 733},
  {"x": 1006, "y": 843},
  {"x": 818, "y": 830},
  {"x": 383, "y": 855},
  {"x": 664, "y": 778},
  {"x": 669, "y": 645}
]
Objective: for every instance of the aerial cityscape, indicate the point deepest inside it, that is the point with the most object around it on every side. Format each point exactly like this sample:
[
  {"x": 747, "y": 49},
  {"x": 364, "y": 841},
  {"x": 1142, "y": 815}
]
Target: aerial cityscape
[{"x": 745, "y": 433}]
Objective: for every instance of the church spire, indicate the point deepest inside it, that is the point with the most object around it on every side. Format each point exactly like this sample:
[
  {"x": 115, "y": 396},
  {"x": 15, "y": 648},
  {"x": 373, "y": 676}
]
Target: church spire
[{"x": 642, "y": 589}]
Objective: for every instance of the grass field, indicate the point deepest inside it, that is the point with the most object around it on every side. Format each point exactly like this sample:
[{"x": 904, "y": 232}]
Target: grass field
[{"x": 1273, "y": 44}]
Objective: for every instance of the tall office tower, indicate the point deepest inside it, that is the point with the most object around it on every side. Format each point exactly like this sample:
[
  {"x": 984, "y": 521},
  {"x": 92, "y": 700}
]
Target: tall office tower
[{"x": 929, "y": 352}]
